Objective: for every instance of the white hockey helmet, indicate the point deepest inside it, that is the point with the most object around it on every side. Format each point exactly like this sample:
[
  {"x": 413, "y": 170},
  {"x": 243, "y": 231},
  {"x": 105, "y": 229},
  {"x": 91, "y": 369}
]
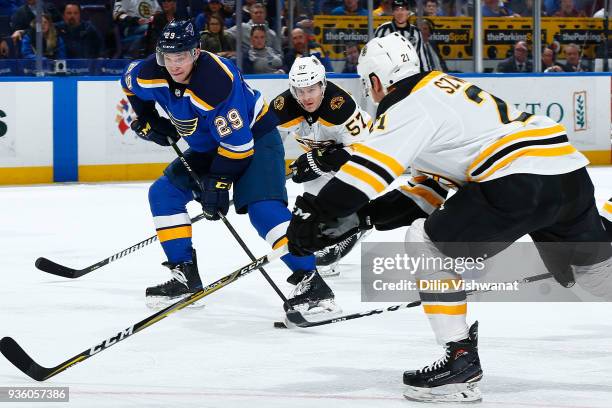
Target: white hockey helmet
[
  {"x": 305, "y": 72},
  {"x": 391, "y": 59}
]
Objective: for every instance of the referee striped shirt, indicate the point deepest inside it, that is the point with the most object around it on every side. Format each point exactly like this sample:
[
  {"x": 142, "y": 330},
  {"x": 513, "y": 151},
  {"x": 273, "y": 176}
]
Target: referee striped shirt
[{"x": 412, "y": 34}]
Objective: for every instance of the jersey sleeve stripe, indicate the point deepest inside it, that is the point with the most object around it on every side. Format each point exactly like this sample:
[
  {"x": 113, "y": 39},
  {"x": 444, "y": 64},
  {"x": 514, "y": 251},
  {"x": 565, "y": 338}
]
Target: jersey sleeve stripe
[
  {"x": 427, "y": 200},
  {"x": 232, "y": 155},
  {"x": 363, "y": 176},
  {"x": 375, "y": 168},
  {"x": 127, "y": 91},
  {"x": 509, "y": 139},
  {"x": 540, "y": 151},
  {"x": 197, "y": 101},
  {"x": 174, "y": 233},
  {"x": 607, "y": 211},
  {"x": 225, "y": 68},
  {"x": 152, "y": 83},
  {"x": 238, "y": 149},
  {"x": 263, "y": 111},
  {"x": 394, "y": 166}
]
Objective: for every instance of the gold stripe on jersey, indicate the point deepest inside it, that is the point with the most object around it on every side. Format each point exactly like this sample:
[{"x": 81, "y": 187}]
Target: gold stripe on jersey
[
  {"x": 363, "y": 175},
  {"x": 127, "y": 92},
  {"x": 292, "y": 122},
  {"x": 421, "y": 193},
  {"x": 536, "y": 151},
  {"x": 197, "y": 101},
  {"x": 543, "y": 142},
  {"x": 379, "y": 158},
  {"x": 423, "y": 82},
  {"x": 234, "y": 155},
  {"x": 263, "y": 111},
  {"x": 608, "y": 207},
  {"x": 222, "y": 65},
  {"x": 152, "y": 83},
  {"x": 324, "y": 122},
  {"x": 174, "y": 233}
]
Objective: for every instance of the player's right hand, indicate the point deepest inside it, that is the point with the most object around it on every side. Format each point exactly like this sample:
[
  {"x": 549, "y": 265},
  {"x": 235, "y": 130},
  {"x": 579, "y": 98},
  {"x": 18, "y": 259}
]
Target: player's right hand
[
  {"x": 156, "y": 132},
  {"x": 215, "y": 196}
]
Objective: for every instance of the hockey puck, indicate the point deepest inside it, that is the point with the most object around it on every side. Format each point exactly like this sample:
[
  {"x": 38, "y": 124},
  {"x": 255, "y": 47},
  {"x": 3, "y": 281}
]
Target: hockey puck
[{"x": 280, "y": 325}]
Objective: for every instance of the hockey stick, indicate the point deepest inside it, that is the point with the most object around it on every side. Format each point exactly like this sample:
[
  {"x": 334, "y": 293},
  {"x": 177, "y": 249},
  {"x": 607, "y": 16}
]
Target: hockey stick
[
  {"x": 20, "y": 359},
  {"x": 299, "y": 320},
  {"x": 229, "y": 226}
]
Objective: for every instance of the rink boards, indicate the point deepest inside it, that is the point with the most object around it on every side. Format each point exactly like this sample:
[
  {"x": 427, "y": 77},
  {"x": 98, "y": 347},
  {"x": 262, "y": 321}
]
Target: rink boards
[{"x": 77, "y": 128}]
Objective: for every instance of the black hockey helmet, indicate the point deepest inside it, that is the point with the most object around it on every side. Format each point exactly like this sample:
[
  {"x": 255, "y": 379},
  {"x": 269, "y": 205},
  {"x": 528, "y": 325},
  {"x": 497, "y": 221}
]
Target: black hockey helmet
[{"x": 177, "y": 36}]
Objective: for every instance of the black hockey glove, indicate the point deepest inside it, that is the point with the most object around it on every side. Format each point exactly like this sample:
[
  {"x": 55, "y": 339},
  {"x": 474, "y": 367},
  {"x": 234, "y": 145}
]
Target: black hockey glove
[
  {"x": 317, "y": 162},
  {"x": 304, "y": 231},
  {"x": 157, "y": 130},
  {"x": 215, "y": 196}
]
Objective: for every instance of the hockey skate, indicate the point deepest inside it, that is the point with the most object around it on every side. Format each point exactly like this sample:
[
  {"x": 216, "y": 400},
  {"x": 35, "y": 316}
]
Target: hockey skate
[
  {"x": 452, "y": 378},
  {"x": 185, "y": 281},
  {"x": 328, "y": 259},
  {"x": 312, "y": 297}
]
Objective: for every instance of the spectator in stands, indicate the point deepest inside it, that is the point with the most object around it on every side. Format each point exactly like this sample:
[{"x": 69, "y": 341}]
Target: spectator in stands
[
  {"x": 8, "y": 7},
  {"x": 258, "y": 17},
  {"x": 261, "y": 59},
  {"x": 524, "y": 7},
  {"x": 549, "y": 63},
  {"x": 573, "y": 60},
  {"x": 431, "y": 9},
  {"x": 351, "y": 53},
  {"x": 246, "y": 11},
  {"x": 518, "y": 62},
  {"x": 495, "y": 8},
  {"x": 81, "y": 39},
  {"x": 160, "y": 20},
  {"x": 214, "y": 39},
  {"x": 567, "y": 9},
  {"x": 210, "y": 7},
  {"x": 133, "y": 19},
  {"x": 302, "y": 47},
  {"x": 53, "y": 45},
  {"x": 20, "y": 22},
  {"x": 227, "y": 12},
  {"x": 430, "y": 48},
  {"x": 349, "y": 8},
  {"x": 4, "y": 49},
  {"x": 384, "y": 9}
]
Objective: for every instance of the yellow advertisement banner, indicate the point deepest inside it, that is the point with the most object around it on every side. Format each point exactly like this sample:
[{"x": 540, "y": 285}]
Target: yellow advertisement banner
[{"x": 454, "y": 35}]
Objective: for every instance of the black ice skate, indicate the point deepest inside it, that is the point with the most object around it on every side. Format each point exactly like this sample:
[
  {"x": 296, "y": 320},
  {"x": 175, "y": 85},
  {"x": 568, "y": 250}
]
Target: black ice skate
[
  {"x": 185, "y": 281},
  {"x": 453, "y": 378},
  {"x": 328, "y": 258},
  {"x": 312, "y": 297}
]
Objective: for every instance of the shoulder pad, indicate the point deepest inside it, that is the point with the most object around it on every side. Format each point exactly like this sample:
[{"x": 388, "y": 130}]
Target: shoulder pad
[
  {"x": 337, "y": 106},
  {"x": 212, "y": 80},
  {"x": 286, "y": 108},
  {"x": 149, "y": 70}
]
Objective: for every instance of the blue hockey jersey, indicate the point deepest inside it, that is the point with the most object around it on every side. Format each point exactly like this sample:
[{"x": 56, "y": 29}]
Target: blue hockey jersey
[{"x": 216, "y": 110}]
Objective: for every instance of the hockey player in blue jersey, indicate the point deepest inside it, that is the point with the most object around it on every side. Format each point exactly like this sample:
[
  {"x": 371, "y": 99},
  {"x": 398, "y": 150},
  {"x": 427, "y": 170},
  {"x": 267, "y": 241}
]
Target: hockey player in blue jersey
[{"x": 232, "y": 140}]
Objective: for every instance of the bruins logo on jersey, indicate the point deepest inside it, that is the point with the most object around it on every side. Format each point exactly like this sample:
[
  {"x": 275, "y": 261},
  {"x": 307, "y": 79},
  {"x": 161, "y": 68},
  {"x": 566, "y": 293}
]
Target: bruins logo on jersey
[
  {"x": 279, "y": 103},
  {"x": 184, "y": 127},
  {"x": 336, "y": 102}
]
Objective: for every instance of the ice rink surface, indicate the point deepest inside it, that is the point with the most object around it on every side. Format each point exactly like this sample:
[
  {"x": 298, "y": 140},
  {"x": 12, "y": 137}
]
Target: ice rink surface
[{"x": 228, "y": 354}]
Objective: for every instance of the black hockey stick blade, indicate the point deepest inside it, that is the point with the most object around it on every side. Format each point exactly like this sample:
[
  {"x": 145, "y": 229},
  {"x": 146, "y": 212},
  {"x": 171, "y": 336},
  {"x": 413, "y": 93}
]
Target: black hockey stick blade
[
  {"x": 20, "y": 359},
  {"x": 47, "y": 265}
]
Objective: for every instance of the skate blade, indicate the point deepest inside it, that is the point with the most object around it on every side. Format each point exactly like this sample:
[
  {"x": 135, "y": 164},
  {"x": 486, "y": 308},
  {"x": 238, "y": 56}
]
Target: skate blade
[
  {"x": 161, "y": 302},
  {"x": 465, "y": 392},
  {"x": 325, "y": 309}
]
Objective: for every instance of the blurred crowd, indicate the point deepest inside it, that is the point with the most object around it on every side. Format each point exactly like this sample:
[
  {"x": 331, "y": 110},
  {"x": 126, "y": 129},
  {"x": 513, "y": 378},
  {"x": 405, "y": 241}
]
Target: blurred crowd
[{"x": 107, "y": 29}]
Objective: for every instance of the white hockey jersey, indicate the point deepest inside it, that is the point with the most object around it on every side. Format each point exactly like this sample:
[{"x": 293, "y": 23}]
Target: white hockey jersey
[
  {"x": 136, "y": 8},
  {"x": 339, "y": 120},
  {"x": 450, "y": 129}
]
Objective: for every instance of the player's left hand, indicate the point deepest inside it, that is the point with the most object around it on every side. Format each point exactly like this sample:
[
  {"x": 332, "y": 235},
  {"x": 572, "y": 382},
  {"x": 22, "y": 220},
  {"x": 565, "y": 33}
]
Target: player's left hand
[
  {"x": 215, "y": 196},
  {"x": 317, "y": 162},
  {"x": 304, "y": 231}
]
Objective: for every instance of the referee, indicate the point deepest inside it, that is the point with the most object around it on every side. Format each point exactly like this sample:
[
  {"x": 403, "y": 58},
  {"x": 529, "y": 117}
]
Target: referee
[{"x": 400, "y": 24}]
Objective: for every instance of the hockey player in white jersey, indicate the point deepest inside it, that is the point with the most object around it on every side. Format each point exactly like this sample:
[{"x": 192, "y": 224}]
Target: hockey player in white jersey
[
  {"x": 324, "y": 119},
  {"x": 516, "y": 174}
]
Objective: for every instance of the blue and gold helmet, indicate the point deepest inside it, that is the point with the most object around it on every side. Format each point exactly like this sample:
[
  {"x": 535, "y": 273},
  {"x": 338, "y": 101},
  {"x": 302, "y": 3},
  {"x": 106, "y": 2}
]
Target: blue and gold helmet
[{"x": 177, "y": 36}]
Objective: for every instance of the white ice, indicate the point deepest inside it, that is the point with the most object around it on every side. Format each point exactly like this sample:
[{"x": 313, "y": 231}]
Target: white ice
[{"x": 228, "y": 354}]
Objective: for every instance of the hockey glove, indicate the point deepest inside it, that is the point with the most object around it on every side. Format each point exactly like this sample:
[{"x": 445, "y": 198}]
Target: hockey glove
[
  {"x": 215, "y": 196},
  {"x": 304, "y": 231},
  {"x": 317, "y": 162},
  {"x": 157, "y": 131}
]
